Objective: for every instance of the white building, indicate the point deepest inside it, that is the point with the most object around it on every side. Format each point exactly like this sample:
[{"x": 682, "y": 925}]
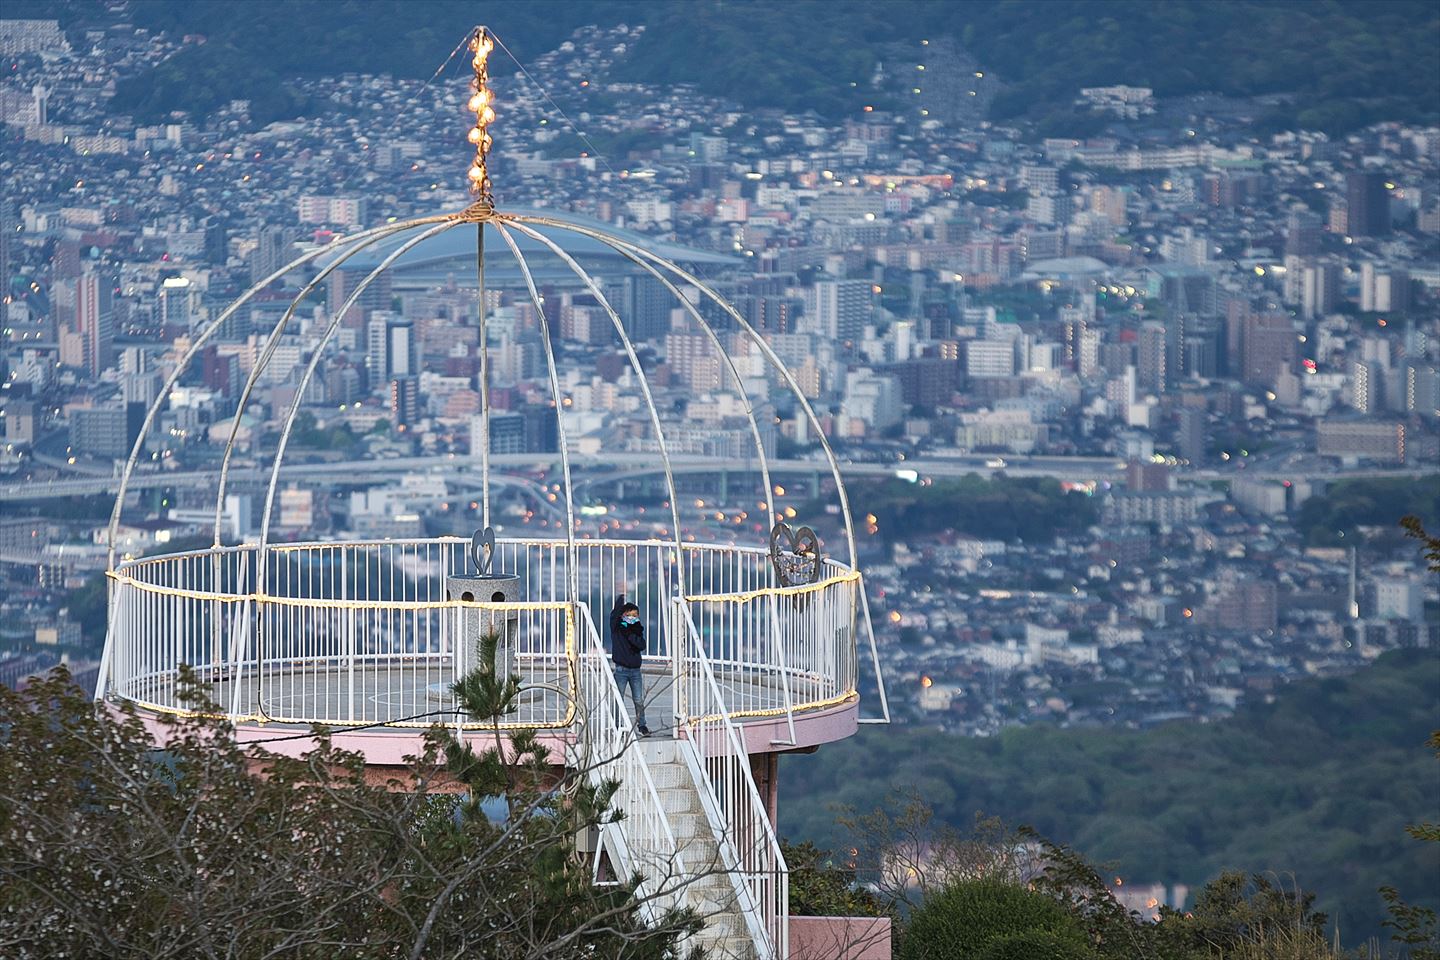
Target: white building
[
  {"x": 990, "y": 358},
  {"x": 872, "y": 401},
  {"x": 340, "y": 211},
  {"x": 838, "y": 309},
  {"x": 1399, "y": 598}
]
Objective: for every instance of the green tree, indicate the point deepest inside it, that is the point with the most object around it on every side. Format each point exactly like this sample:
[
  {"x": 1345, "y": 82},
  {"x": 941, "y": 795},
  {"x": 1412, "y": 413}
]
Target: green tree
[
  {"x": 1182, "y": 802},
  {"x": 965, "y": 918},
  {"x": 118, "y": 843},
  {"x": 822, "y": 886},
  {"x": 1413, "y": 925}
]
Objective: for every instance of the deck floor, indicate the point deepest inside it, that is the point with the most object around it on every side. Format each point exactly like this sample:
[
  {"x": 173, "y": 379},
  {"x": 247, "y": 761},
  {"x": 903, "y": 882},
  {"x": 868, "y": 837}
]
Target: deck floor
[{"x": 418, "y": 695}]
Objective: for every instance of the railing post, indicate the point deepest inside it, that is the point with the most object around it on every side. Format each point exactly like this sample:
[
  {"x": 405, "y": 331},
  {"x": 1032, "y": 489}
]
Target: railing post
[
  {"x": 777, "y": 637},
  {"x": 349, "y": 628},
  {"x": 115, "y": 632},
  {"x": 679, "y": 658}
]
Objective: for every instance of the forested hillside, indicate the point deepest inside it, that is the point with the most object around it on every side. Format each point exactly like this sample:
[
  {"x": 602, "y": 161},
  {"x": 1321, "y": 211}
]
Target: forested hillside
[
  {"x": 1351, "y": 62},
  {"x": 1319, "y": 784}
]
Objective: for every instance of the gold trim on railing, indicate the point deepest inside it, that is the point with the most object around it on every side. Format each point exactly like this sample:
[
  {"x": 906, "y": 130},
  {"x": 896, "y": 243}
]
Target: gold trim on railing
[
  {"x": 779, "y": 711},
  {"x": 747, "y": 595}
]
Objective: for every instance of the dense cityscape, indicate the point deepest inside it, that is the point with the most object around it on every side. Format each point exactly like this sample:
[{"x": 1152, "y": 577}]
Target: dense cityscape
[{"x": 1178, "y": 332}]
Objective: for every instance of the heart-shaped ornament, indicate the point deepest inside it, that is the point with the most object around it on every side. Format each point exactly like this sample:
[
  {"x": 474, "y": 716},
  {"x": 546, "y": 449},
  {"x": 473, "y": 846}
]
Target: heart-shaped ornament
[
  {"x": 482, "y": 550},
  {"x": 795, "y": 554}
]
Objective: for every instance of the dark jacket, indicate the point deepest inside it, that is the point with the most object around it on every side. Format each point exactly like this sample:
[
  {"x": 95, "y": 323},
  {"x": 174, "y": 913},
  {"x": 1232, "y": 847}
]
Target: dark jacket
[{"x": 626, "y": 643}]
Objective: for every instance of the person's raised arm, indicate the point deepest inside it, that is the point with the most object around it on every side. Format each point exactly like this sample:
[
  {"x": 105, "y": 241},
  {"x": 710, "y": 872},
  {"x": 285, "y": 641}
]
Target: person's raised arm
[{"x": 615, "y": 610}]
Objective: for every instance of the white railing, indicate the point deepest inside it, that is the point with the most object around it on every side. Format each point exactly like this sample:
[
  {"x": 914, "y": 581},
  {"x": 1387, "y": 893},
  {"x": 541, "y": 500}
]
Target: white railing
[
  {"x": 344, "y": 634},
  {"x": 362, "y": 632},
  {"x": 738, "y": 816},
  {"x": 799, "y": 641},
  {"x": 606, "y": 748}
]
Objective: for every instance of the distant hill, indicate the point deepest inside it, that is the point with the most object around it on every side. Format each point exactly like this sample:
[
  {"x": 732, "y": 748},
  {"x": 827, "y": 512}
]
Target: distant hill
[
  {"x": 1319, "y": 784},
  {"x": 1349, "y": 63}
]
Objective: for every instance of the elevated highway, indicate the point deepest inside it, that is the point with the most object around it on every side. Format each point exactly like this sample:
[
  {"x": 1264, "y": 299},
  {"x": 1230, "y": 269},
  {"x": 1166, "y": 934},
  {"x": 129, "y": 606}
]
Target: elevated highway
[{"x": 461, "y": 468}]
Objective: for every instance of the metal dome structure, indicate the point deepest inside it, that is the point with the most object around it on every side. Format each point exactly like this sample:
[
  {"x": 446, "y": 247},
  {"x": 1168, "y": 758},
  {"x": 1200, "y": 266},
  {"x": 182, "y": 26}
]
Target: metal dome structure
[{"x": 754, "y": 651}]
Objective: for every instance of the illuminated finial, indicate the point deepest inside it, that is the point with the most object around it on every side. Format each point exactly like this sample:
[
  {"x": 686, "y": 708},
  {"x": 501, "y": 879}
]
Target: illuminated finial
[{"x": 481, "y": 98}]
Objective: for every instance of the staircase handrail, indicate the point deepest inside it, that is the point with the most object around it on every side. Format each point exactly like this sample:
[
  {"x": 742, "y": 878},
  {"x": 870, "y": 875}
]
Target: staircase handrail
[
  {"x": 705, "y": 720},
  {"x": 607, "y": 741}
]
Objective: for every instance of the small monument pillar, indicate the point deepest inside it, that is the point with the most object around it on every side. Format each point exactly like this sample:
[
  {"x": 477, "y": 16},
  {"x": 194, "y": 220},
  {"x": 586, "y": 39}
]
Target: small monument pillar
[{"x": 487, "y": 586}]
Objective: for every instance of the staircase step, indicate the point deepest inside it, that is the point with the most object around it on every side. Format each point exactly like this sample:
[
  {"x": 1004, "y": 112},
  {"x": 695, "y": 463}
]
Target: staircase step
[
  {"x": 669, "y": 776},
  {"x": 675, "y": 800},
  {"x": 659, "y": 750},
  {"x": 688, "y": 826}
]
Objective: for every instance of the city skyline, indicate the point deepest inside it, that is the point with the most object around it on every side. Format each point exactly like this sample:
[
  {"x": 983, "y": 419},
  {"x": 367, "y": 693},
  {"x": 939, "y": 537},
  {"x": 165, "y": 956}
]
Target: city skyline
[{"x": 1124, "y": 413}]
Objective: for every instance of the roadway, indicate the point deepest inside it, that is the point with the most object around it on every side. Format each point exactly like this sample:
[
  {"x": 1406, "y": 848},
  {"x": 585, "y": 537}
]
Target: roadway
[{"x": 464, "y": 468}]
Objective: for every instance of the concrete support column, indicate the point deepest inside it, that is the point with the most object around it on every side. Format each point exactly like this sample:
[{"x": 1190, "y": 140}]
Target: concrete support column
[{"x": 765, "y": 768}]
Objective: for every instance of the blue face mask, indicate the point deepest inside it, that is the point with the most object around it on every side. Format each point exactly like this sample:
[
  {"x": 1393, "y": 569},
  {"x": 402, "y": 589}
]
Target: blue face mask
[{"x": 629, "y": 620}]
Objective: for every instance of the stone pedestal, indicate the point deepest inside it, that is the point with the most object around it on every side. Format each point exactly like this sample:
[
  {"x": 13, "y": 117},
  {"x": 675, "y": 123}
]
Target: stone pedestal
[{"x": 474, "y": 624}]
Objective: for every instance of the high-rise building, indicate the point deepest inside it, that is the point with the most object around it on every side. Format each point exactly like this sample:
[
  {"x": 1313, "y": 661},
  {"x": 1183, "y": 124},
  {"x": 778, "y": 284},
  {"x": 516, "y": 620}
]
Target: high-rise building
[
  {"x": 1185, "y": 289},
  {"x": 839, "y": 309},
  {"x": 692, "y": 358},
  {"x": 1319, "y": 290},
  {"x": 1338, "y": 219},
  {"x": 1151, "y": 369},
  {"x": 1383, "y": 291},
  {"x": 1190, "y": 433},
  {"x": 100, "y": 432},
  {"x": 1178, "y": 328},
  {"x": 1088, "y": 361},
  {"x": 273, "y": 250},
  {"x": 377, "y": 348},
  {"x": 95, "y": 320},
  {"x": 507, "y": 433},
  {"x": 645, "y": 306},
  {"x": 1202, "y": 356},
  {"x": 65, "y": 261},
  {"x": 531, "y": 429},
  {"x": 404, "y": 400},
  {"x": 401, "y": 355},
  {"x": 584, "y": 323},
  {"x": 989, "y": 359},
  {"x": 768, "y": 312},
  {"x": 217, "y": 241},
  {"x": 176, "y": 302},
  {"x": 1365, "y": 386},
  {"x": 1422, "y": 390},
  {"x": 9, "y": 222},
  {"x": 41, "y": 96},
  {"x": 1303, "y": 232},
  {"x": 1074, "y": 327},
  {"x": 1248, "y": 605},
  {"x": 342, "y": 283},
  {"x": 1367, "y": 205},
  {"x": 1268, "y": 347}
]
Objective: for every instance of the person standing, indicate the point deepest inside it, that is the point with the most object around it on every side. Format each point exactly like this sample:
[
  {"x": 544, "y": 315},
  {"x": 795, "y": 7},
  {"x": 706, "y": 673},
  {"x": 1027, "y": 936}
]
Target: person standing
[{"x": 627, "y": 647}]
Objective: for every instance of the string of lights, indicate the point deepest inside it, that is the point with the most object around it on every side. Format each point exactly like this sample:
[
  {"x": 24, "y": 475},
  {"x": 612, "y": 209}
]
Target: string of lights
[{"x": 480, "y": 103}]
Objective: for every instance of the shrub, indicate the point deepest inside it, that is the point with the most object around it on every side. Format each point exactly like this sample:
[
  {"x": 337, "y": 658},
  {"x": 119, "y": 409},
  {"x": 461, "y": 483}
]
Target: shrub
[
  {"x": 1035, "y": 945},
  {"x": 962, "y": 920}
]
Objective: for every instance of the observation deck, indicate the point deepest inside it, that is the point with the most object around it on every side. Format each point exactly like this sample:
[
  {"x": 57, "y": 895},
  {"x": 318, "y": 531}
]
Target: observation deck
[
  {"x": 363, "y": 636},
  {"x": 750, "y": 651}
]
